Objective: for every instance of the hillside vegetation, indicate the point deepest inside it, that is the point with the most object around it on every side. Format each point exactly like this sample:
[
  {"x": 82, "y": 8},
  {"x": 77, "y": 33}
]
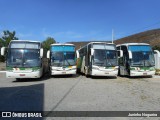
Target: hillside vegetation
[{"x": 151, "y": 37}]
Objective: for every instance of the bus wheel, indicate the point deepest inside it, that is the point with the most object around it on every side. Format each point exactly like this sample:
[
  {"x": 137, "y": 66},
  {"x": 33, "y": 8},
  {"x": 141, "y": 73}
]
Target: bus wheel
[
  {"x": 50, "y": 73},
  {"x": 86, "y": 73}
]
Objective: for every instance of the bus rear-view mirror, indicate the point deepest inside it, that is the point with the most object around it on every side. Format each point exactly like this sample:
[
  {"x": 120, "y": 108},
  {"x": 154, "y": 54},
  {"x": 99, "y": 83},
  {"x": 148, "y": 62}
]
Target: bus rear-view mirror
[
  {"x": 130, "y": 54},
  {"x": 92, "y": 51},
  {"x": 3, "y": 51},
  {"x": 77, "y": 54},
  {"x": 48, "y": 54},
  {"x": 120, "y": 53},
  {"x": 41, "y": 52},
  {"x": 157, "y": 52}
]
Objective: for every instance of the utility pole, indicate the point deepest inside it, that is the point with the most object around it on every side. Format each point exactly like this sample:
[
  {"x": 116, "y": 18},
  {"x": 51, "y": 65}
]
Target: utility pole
[{"x": 112, "y": 35}]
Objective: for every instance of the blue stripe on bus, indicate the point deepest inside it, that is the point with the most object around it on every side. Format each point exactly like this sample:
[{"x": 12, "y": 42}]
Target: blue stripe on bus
[
  {"x": 135, "y": 48},
  {"x": 62, "y": 48}
]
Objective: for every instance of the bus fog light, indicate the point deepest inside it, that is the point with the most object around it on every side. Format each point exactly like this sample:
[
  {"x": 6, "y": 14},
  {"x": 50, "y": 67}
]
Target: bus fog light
[{"x": 115, "y": 69}]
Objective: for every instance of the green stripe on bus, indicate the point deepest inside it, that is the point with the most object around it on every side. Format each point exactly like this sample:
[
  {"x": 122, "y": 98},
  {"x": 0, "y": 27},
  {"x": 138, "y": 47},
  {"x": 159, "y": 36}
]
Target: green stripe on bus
[
  {"x": 21, "y": 68},
  {"x": 143, "y": 68}
]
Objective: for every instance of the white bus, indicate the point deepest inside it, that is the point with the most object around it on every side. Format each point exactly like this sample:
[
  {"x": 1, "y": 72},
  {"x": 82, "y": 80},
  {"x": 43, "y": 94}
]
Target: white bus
[
  {"x": 137, "y": 60},
  {"x": 24, "y": 59},
  {"x": 62, "y": 59},
  {"x": 98, "y": 59}
]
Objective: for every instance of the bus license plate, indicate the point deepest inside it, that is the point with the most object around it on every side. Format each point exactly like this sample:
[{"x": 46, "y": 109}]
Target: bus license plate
[
  {"x": 63, "y": 72},
  {"x": 144, "y": 73},
  {"x": 22, "y": 75},
  {"x": 106, "y": 73}
]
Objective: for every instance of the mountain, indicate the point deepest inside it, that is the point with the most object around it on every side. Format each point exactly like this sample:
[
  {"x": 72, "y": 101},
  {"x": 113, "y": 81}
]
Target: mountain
[{"x": 151, "y": 37}]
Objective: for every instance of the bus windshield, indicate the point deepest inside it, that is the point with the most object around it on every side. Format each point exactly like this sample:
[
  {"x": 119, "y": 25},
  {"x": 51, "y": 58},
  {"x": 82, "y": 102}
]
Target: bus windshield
[
  {"x": 60, "y": 59},
  {"x": 23, "y": 57},
  {"x": 142, "y": 55},
  {"x": 106, "y": 58}
]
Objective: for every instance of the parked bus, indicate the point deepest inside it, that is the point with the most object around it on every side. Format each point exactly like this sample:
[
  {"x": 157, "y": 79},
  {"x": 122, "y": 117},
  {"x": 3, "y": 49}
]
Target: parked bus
[
  {"x": 24, "y": 59},
  {"x": 98, "y": 59},
  {"x": 137, "y": 60},
  {"x": 62, "y": 59}
]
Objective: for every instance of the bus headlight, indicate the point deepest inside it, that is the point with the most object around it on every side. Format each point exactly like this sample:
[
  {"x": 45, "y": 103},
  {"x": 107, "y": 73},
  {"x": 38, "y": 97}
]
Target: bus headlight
[
  {"x": 132, "y": 68},
  {"x": 96, "y": 68},
  {"x": 152, "y": 69}
]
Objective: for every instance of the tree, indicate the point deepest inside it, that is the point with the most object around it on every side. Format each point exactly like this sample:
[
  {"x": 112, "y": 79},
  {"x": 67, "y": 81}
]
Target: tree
[
  {"x": 156, "y": 48},
  {"x": 46, "y": 44},
  {"x": 7, "y": 37}
]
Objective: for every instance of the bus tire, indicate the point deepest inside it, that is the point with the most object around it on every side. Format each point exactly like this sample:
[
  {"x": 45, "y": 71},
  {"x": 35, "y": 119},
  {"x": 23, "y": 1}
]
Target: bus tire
[{"x": 86, "y": 73}]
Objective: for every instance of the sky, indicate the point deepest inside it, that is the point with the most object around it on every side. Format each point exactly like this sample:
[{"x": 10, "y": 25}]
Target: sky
[{"x": 78, "y": 20}]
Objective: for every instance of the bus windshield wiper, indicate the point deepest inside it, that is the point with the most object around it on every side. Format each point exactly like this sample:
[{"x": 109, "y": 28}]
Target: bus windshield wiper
[{"x": 67, "y": 61}]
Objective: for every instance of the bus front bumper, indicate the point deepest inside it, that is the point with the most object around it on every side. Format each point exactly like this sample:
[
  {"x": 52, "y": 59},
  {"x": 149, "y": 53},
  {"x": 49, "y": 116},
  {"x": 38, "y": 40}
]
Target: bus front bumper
[
  {"x": 142, "y": 73},
  {"x": 104, "y": 73},
  {"x": 69, "y": 72},
  {"x": 35, "y": 74}
]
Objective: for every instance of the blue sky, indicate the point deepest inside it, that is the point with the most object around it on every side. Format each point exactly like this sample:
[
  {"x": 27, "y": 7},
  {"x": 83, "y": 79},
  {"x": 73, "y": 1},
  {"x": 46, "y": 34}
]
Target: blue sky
[{"x": 78, "y": 20}]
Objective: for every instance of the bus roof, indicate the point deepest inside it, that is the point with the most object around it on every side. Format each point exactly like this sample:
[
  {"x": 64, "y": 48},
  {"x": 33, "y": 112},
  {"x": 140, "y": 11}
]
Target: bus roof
[
  {"x": 97, "y": 43},
  {"x": 25, "y": 41},
  {"x": 100, "y": 42},
  {"x": 62, "y": 44},
  {"x": 127, "y": 44}
]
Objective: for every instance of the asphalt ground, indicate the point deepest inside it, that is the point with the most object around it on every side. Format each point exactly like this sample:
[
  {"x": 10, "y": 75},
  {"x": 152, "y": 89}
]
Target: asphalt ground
[{"x": 78, "y": 93}]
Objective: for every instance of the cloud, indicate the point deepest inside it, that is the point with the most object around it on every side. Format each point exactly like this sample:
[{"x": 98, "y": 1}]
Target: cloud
[
  {"x": 61, "y": 35},
  {"x": 67, "y": 36},
  {"x": 24, "y": 35}
]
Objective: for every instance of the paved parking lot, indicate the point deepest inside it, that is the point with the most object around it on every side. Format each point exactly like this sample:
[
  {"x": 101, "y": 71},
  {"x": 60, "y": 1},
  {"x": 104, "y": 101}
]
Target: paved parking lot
[{"x": 78, "y": 93}]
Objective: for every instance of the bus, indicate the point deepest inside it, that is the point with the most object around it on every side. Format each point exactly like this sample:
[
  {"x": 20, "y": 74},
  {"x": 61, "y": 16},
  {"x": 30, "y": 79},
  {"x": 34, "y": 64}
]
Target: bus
[
  {"x": 24, "y": 59},
  {"x": 97, "y": 59},
  {"x": 62, "y": 59},
  {"x": 137, "y": 60}
]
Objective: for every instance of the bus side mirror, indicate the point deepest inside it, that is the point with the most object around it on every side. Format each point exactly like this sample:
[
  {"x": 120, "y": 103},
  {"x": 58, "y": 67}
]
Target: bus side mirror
[
  {"x": 3, "y": 51},
  {"x": 130, "y": 54},
  {"x": 41, "y": 52},
  {"x": 157, "y": 52},
  {"x": 48, "y": 54},
  {"x": 77, "y": 54},
  {"x": 120, "y": 53},
  {"x": 92, "y": 51}
]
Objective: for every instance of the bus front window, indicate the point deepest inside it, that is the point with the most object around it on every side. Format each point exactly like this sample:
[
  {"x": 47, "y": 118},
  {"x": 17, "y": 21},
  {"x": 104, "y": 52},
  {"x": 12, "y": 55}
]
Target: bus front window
[
  {"x": 60, "y": 59},
  {"x": 14, "y": 57},
  {"x": 57, "y": 59},
  {"x": 105, "y": 58},
  {"x": 69, "y": 58},
  {"x": 31, "y": 58},
  {"x": 144, "y": 58},
  {"x": 142, "y": 55},
  {"x": 23, "y": 58}
]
